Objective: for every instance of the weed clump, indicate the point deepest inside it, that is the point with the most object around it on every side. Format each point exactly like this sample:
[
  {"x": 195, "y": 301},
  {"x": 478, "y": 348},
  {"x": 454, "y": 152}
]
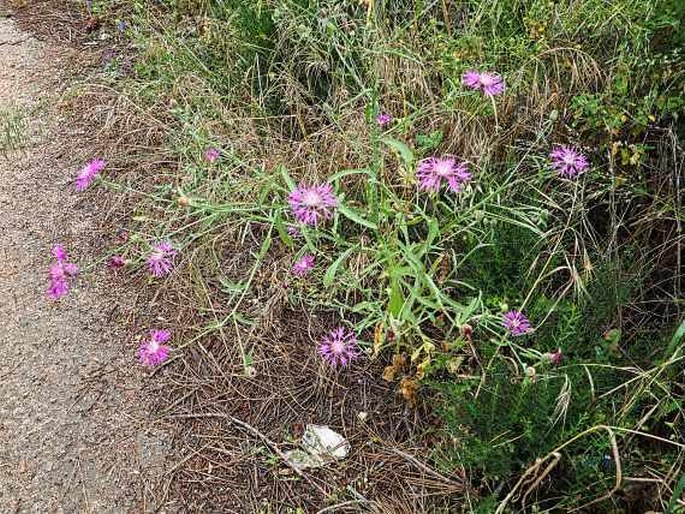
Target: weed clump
[{"x": 497, "y": 249}]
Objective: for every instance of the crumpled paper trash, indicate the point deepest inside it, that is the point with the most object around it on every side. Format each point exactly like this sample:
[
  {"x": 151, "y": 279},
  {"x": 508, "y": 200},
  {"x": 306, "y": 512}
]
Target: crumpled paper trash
[{"x": 319, "y": 446}]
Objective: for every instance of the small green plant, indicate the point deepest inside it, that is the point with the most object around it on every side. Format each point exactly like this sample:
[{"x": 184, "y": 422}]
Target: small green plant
[{"x": 13, "y": 129}]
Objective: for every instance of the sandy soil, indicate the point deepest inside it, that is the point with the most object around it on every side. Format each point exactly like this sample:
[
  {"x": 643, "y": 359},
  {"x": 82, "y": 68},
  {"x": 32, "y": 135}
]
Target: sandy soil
[{"x": 73, "y": 435}]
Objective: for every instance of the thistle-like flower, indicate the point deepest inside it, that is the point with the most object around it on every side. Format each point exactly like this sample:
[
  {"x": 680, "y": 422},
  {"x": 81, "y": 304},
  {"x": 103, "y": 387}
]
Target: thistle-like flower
[
  {"x": 491, "y": 84},
  {"x": 516, "y": 323},
  {"x": 433, "y": 171},
  {"x": 303, "y": 266},
  {"x": 212, "y": 154},
  {"x": 116, "y": 262},
  {"x": 160, "y": 260},
  {"x": 383, "y": 119},
  {"x": 153, "y": 351},
  {"x": 555, "y": 357},
  {"x": 88, "y": 174},
  {"x": 339, "y": 348},
  {"x": 61, "y": 272},
  {"x": 568, "y": 161},
  {"x": 311, "y": 204}
]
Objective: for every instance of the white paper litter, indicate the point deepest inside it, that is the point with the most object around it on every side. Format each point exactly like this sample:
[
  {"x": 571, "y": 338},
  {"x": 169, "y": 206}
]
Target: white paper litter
[{"x": 319, "y": 446}]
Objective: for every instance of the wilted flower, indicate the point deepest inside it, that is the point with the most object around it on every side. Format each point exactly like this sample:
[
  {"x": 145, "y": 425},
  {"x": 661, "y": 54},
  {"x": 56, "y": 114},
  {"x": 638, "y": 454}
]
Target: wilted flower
[
  {"x": 304, "y": 265},
  {"x": 116, "y": 261},
  {"x": 516, "y": 323},
  {"x": 160, "y": 259},
  {"x": 339, "y": 348},
  {"x": 432, "y": 171},
  {"x": 212, "y": 154},
  {"x": 569, "y": 162},
  {"x": 61, "y": 273},
  {"x": 311, "y": 204},
  {"x": 88, "y": 174},
  {"x": 293, "y": 231},
  {"x": 383, "y": 119},
  {"x": 153, "y": 351},
  {"x": 555, "y": 357},
  {"x": 491, "y": 84}
]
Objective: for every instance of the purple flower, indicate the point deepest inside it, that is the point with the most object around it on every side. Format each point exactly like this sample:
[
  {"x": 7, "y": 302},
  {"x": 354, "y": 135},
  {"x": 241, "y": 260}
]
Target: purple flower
[
  {"x": 153, "y": 351},
  {"x": 88, "y": 174},
  {"x": 116, "y": 261},
  {"x": 60, "y": 253},
  {"x": 516, "y": 323},
  {"x": 212, "y": 154},
  {"x": 304, "y": 265},
  {"x": 160, "y": 259},
  {"x": 432, "y": 171},
  {"x": 568, "y": 161},
  {"x": 383, "y": 119},
  {"x": 61, "y": 272},
  {"x": 121, "y": 26},
  {"x": 311, "y": 204},
  {"x": 339, "y": 348},
  {"x": 491, "y": 84}
]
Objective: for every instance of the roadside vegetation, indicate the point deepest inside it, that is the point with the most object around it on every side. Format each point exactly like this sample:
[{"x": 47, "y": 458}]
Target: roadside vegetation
[{"x": 452, "y": 231}]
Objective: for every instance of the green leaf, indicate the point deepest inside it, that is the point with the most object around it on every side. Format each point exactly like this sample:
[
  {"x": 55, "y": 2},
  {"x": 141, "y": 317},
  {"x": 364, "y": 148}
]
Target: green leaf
[
  {"x": 675, "y": 340},
  {"x": 355, "y": 216},
  {"x": 405, "y": 153},
  {"x": 282, "y": 231},
  {"x": 332, "y": 270},
  {"x": 286, "y": 176},
  {"x": 396, "y": 300}
]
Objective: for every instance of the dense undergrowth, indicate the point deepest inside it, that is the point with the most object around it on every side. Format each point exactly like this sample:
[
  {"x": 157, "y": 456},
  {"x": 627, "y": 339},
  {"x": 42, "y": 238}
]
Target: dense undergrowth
[{"x": 582, "y": 411}]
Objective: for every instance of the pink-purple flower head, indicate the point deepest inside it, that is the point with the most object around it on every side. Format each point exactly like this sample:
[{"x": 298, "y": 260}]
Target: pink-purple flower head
[
  {"x": 516, "y": 323},
  {"x": 383, "y": 119},
  {"x": 304, "y": 265},
  {"x": 61, "y": 273},
  {"x": 160, "y": 261},
  {"x": 212, "y": 154},
  {"x": 568, "y": 161},
  {"x": 339, "y": 348},
  {"x": 432, "y": 171},
  {"x": 152, "y": 350},
  {"x": 491, "y": 84},
  {"x": 116, "y": 262},
  {"x": 312, "y": 204},
  {"x": 88, "y": 174},
  {"x": 555, "y": 357}
]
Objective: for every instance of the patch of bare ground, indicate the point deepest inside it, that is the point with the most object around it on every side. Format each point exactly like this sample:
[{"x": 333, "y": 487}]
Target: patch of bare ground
[{"x": 74, "y": 433}]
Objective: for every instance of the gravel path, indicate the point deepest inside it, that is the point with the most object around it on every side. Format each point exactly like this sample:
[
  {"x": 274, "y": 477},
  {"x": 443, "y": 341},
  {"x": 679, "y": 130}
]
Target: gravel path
[{"x": 71, "y": 439}]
